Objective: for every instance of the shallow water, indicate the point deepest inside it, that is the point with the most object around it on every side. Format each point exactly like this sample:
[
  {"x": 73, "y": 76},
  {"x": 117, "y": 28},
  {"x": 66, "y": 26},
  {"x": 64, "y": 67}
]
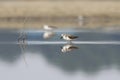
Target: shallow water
[{"x": 46, "y": 61}]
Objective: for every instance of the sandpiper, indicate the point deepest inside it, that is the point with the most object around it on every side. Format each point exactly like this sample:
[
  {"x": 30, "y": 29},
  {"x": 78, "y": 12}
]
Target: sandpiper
[
  {"x": 68, "y": 48},
  {"x": 68, "y": 37},
  {"x": 46, "y": 27}
]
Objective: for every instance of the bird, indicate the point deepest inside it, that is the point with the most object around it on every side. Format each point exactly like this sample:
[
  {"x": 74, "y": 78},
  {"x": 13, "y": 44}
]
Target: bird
[
  {"x": 68, "y": 48},
  {"x": 68, "y": 37},
  {"x": 49, "y": 28}
]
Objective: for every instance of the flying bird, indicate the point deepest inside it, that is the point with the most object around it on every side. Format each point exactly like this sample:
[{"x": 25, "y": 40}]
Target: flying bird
[{"x": 68, "y": 48}]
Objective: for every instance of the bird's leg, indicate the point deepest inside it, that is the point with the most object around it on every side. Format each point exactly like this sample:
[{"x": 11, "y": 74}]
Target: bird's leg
[{"x": 70, "y": 42}]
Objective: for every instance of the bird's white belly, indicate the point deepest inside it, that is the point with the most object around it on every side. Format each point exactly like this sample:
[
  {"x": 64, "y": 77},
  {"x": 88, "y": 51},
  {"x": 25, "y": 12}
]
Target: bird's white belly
[{"x": 66, "y": 38}]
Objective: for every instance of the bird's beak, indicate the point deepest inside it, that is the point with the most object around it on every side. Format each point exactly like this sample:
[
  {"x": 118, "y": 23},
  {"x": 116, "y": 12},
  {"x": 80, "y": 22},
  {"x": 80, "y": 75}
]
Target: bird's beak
[
  {"x": 61, "y": 47},
  {"x": 61, "y": 37}
]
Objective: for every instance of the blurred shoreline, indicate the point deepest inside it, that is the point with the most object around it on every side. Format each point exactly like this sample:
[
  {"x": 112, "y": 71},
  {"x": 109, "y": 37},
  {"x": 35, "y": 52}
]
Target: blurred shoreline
[{"x": 60, "y": 22}]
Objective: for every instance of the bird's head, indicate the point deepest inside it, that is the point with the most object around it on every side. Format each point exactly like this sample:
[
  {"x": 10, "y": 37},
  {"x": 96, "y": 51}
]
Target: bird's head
[
  {"x": 61, "y": 47},
  {"x": 45, "y": 26},
  {"x": 61, "y": 36}
]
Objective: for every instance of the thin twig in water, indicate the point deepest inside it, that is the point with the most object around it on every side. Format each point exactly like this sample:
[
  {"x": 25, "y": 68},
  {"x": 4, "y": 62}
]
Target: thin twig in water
[
  {"x": 22, "y": 47},
  {"x": 23, "y": 36}
]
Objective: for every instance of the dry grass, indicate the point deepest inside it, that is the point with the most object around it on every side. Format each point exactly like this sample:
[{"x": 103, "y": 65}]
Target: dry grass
[
  {"x": 93, "y": 9},
  {"x": 61, "y": 8}
]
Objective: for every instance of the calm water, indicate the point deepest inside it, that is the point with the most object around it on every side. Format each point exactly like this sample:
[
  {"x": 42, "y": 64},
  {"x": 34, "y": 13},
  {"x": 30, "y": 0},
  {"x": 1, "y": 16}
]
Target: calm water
[{"x": 47, "y": 62}]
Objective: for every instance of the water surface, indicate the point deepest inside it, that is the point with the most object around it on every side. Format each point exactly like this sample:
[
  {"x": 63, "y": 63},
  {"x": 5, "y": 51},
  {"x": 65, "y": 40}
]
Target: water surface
[{"x": 89, "y": 62}]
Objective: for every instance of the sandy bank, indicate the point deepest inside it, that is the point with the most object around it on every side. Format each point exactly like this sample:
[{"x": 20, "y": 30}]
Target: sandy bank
[{"x": 60, "y": 8}]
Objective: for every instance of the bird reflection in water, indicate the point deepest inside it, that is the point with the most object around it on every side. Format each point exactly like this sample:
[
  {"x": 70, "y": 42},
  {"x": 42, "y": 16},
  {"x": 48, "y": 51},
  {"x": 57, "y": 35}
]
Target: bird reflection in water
[
  {"x": 68, "y": 48},
  {"x": 48, "y": 34}
]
